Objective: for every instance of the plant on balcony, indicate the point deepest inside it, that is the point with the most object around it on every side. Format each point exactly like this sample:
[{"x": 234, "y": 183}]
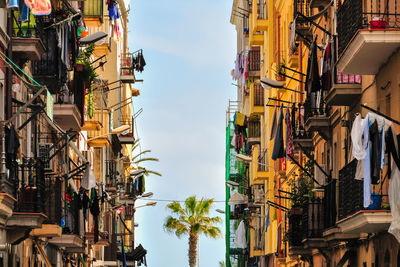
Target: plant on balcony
[
  {"x": 84, "y": 65},
  {"x": 280, "y": 71},
  {"x": 302, "y": 187}
]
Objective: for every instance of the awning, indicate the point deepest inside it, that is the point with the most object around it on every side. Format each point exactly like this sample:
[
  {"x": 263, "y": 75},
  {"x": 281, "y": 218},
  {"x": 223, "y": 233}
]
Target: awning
[
  {"x": 92, "y": 38},
  {"x": 237, "y": 199}
]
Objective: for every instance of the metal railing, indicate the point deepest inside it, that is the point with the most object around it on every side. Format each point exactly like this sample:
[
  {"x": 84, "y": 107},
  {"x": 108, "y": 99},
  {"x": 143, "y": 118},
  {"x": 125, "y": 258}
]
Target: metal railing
[
  {"x": 258, "y": 97},
  {"x": 254, "y": 58},
  {"x": 49, "y": 70},
  {"x": 303, "y": 7},
  {"x": 350, "y": 191},
  {"x": 93, "y": 9},
  {"x": 313, "y": 218},
  {"x": 262, "y": 165},
  {"x": 254, "y": 127},
  {"x": 330, "y": 204},
  {"x": 111, "y": 172},
  {"x": 24, "y": 27},
  {"x": 29, "y": 185},
  {"x": 53, "y": 202},
  {"x": 357, "y": 14}
]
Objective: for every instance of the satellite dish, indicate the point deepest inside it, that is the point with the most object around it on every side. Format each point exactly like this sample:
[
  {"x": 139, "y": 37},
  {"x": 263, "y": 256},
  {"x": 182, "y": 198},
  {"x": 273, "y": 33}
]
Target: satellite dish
[{"x": 267, "y": 83}]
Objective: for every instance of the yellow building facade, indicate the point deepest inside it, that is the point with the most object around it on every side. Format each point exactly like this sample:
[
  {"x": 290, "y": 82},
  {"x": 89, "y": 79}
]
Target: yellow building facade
[{"x": 311, "y": 211}]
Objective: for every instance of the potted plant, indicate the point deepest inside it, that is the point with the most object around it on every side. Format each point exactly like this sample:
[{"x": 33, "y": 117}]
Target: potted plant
[
  {"x": 280, "y": 71},
  {"x": 84, "y": 65},
  {"x": 301, "y": 189}
]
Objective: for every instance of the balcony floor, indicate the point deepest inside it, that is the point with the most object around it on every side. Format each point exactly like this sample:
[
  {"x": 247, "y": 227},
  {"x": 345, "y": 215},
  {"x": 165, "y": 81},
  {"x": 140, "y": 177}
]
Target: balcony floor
[
  {"x": 343, "y": 94},
  {"x": 361, "y": 56},
  {"x": 366, "y": 221}
]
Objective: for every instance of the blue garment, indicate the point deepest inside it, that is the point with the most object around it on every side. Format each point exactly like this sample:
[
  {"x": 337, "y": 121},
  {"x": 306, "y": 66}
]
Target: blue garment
[
  {"x": 382, "y": 132},
  {"x": 367, "y": 166},
  {"x": 25, "y": 13},
  {"x": 12, "y": 4},
  {"x": 267, "y": 221}
]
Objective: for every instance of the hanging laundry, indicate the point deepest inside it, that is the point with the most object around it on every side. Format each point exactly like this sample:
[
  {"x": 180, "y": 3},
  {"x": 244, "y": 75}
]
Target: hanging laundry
[
  {"x": 367, "y": 167},
  {"x": 313, "y": 82},
  {"x": 88, "y": 179},
  {"x": 375, "y": 141},
  {"x": 278, "y": 150},
  {"x": 273, "y": 125},
  {"x": 239, "y": 118},
  {"x": 394, "y": 183},
  {"x": 12, "y": 145},
  {"x": 326, "y": 74},
  {"x": 39, "y": 7},
  {"x": 267, "y": 220},
  {"x": 240, "y": 236},
  {"x": 95, "y": 211},
  {"x": 289, "y": 134}
]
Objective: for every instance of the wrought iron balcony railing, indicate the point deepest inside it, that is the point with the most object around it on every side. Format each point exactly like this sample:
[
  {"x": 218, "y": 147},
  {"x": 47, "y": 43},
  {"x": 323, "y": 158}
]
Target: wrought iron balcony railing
[
  {"x": 258, "y": 96},
  {"x": 354, "y": 15},
  {"x": 254, "y": 59}
]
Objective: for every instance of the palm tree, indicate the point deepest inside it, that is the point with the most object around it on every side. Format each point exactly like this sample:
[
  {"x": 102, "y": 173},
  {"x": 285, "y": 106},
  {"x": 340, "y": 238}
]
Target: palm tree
[
  {"x": 137, "y": 158},
  {"x": 192, "y": 220}
]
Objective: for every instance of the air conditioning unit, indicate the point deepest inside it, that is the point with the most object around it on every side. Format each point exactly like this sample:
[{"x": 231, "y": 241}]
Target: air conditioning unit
[
  {"x": 259, "y": 194},
  {"x": 44, "y": 154}
]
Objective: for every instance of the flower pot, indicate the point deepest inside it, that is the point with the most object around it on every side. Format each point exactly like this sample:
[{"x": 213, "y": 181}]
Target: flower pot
[
  {"x": 79, "y": 67},
  {"x": 280, "y": 78}
]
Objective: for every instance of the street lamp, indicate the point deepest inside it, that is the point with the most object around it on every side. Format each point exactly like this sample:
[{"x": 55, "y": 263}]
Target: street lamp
[
  {"x": 232, "y": 183},
  {"x": 220, "y": 211},
  {"x": 152, "y": 203}
]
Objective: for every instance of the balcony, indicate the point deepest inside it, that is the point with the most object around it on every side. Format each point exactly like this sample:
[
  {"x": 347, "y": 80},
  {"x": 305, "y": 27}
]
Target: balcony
[
  {"x": 49, "y": 70},
  {"x": 127, "y": 74},
  {"x": 51, "y": 226},
  {"x": 68, "y": 110},
  {"x": 254, "y": 131},
  {"x": 256, "y": 99},
  {"x": 98, "y": 126},
  {"x": 259, "y": 167},
  {"x": 254, "y": 61},
  {"x": 306, "y": 224},
  {"x": 346, "y": 90},
  {"x": 256, "y": 38},
  {"x": 353, "y": 217},
  {"x": 29, "y": 209},
  {"x": 365, "y": 27},
  {"x": 26, "y": 43},
  {"x": 303, "y": 27},
  {"x": 111, "y": 176},
  {"x": 105, "y": 48},
  {"x": 316, "y": 119},
  {"x": 259, "y": 16},
  {"x": 93, "y": 13},
  {"x": 257, "y": 233},
  {"x": 128, "y": 137},
  {"x": 103, "y": 239}
]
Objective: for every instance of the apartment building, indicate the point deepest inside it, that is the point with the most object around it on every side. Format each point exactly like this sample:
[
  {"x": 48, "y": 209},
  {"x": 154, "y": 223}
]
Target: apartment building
[
  {"x": 308, "y": 196},
  {"x": 68, "y": 181}
]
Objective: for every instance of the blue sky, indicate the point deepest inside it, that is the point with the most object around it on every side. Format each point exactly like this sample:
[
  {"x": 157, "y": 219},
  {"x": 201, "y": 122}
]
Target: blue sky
[{"x": 189, "y": 47}]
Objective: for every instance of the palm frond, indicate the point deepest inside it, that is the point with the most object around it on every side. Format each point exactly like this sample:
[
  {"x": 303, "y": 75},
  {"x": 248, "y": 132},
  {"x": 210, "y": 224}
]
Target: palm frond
[
  {"x": 153, "y": 172},
  {"x": 212, "y": 231},
  {"x": 140, "y": 154},
  {"x": 190, "y": 205},
  {"x": 176, "y": 208},
  {"x": 146, "y": 159}
]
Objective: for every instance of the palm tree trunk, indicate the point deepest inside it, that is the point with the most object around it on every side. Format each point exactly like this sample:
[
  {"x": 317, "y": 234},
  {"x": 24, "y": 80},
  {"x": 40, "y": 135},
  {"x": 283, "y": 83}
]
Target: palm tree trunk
[{"x": 192, "y": 249}]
